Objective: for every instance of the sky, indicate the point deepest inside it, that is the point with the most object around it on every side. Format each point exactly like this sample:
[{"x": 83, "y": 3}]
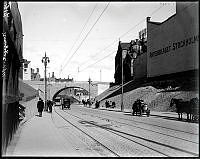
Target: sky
[{"x": 81, "y": 38}]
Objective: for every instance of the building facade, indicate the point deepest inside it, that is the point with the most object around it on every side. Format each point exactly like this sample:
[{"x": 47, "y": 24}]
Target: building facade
[
  {"x": 134, "y": 59},
  {"x": 173, "y": 44},
  {"x": 12, "y": 70},
  {"x": 26, "y": 70},
  {"x": 122, "y": 48},
  {"x": 164, "y": 50},
  {"x": 35, "y": 76}
]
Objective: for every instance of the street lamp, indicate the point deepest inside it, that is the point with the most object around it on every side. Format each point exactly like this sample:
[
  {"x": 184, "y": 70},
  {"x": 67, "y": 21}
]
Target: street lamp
[
  {"x": 45, "y": 60},
  {"x": 124, "y": 52},
  {"x": 134, "y": 50}
]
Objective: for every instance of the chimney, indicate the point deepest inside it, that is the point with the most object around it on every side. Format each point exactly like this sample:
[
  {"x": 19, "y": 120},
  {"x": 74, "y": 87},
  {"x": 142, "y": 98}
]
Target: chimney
[
  {"x": 132, "y": 42},
  {"x": 148, "y": 19},
  {"x": 52, "y": 74},
  {"x": 137, "y": 41},
  {"x": 37, "y": 70},
  {"x": 32, "y": 70}
]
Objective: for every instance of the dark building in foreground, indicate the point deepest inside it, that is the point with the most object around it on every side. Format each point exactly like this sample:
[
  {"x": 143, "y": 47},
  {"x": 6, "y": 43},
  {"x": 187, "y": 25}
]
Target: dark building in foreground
[
  {"x": 122, "y": 47},
  {"x": 12, "y": 71},
  {"x": 173, "y": 47},
  {"x": 132, "y": 51}
]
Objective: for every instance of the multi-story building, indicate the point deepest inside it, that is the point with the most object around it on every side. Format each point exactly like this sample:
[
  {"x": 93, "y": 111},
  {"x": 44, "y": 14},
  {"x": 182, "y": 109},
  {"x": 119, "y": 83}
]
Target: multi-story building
[
  {"x": 26, "y": 70},
  {"x": 130, "y": 60},
  {"x": 35, "y": 75},
  {"x": 140, "y": 62},
  {"x": 12, "y": 61},
  {"x": 122, "y": 48},
  {"x": 166, "y": 50},
  {"x": 174, "y": 43}
]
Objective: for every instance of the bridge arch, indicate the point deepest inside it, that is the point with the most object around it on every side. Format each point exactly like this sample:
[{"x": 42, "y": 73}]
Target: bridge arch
[{"x": 60, "y": 90}]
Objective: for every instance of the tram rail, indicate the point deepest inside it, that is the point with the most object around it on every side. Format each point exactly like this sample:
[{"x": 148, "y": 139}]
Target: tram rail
[{"x": 123, "y": 135}]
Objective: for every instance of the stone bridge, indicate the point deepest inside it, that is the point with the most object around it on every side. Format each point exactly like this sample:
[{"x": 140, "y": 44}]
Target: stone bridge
[{"x": 54, "y": 88}]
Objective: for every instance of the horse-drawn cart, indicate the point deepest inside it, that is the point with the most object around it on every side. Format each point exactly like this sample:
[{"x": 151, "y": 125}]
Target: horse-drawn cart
[{"x": 140, "y": 107}]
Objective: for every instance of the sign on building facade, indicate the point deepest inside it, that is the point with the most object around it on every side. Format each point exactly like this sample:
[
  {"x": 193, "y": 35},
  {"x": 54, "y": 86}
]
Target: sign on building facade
[{"x": 173, "y": 45}]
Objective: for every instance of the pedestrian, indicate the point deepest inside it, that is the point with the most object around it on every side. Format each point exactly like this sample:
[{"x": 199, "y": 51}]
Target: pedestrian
[
  {"x": 50, "y": 106},
  {"x": 40, "y": 106},
  {"x": 107, "y": 104},
  {"x": 97, "y": 104},
  {"x": 113, "y": 104},
  {"x": 62, "y": 103}
]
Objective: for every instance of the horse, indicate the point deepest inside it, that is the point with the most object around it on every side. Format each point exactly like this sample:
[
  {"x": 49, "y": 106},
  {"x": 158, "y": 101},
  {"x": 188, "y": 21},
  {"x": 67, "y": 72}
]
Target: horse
[
  {"x": 182, "y": 107},
  {"x": 194, "y": 102}
]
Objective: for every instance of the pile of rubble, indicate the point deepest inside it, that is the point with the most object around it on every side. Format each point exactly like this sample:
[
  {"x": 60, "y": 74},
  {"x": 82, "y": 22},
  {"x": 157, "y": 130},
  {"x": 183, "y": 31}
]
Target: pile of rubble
[{"x": 157, "y": 99}]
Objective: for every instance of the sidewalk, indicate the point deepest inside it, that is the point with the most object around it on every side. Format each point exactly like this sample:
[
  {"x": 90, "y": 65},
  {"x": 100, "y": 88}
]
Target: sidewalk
[{"x": 37, "y": 137}]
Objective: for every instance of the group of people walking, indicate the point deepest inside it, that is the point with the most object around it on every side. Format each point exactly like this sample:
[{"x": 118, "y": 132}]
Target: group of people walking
[
  {"x": 109, "y": 104},
  {"x": 40, "y": 106}
]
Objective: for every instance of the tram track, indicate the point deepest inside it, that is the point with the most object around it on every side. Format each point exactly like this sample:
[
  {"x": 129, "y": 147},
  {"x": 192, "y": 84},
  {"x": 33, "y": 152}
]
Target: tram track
[
  {"x": 159, "y": 126},
  {"x": 105, "y": 147},
  {"x": 123, "y": 134},
  {"x": 146, "y": 129},
  {"x": 130, "y": 137}
]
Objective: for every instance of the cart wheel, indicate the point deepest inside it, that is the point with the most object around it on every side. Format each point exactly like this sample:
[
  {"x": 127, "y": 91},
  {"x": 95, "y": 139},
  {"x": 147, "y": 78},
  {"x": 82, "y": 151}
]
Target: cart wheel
[{"x": 148, "y": 113}]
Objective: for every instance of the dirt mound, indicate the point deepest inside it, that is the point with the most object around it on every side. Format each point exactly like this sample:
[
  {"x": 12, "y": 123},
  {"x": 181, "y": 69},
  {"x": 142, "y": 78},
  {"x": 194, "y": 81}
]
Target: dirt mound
[
  {"x": 157, "y": 99},
  {"x": 146, "y": 93}
]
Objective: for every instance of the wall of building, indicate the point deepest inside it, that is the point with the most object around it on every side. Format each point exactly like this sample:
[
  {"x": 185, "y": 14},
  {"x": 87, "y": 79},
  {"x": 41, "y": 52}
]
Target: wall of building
[
  {"x": 19, "y": 32},
  {"x": 173, "y": 44},
  {"x": 27, "y": 73},
  {"x": 10, "y": 71},
  {"x": 140, "y": 66}
]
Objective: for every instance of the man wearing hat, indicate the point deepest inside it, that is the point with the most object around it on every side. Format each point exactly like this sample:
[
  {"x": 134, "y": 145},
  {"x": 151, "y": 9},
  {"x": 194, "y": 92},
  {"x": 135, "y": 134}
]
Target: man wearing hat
[{"x": 40, "y": 106}]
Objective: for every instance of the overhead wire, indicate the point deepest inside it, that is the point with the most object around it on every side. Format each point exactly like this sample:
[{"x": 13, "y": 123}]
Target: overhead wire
[
  {"x": 86, "y": 36},
  {"x": 81, "y": 31},
  {"x": 129, "y": 31},
  {"x": 122, "y": 36},
  {"x": 97, "y": 61}
]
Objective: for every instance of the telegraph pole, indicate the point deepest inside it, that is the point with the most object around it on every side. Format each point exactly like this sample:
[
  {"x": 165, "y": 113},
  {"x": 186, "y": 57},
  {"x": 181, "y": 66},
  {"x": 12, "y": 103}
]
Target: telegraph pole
[
  {"x": 122, "y": 104},
  {"x": 89, "y": 87},
  {"x": 45, "y": 59},
  {"x": 49, "y": 86}
]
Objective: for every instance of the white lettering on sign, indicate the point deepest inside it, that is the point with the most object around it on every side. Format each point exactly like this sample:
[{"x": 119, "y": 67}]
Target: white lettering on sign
[
  {"x": 175, "y": 46},
  {"x": 5, "y": 52},
  {"x": 5, "y": 10}
]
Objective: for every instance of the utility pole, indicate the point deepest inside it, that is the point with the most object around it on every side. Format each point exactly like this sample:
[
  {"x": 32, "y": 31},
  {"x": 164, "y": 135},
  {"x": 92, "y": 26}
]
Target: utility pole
[
  {"x": 49, "y": 86},
  {"x": 45, "y": 59},
  {"x": 122, "y": 98},
  {"x": 89, "y": 87}
]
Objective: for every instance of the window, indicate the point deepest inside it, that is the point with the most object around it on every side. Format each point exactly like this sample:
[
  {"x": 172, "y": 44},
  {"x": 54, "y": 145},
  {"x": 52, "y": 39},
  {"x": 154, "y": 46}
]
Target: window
[{"x": 25, "y": 65}]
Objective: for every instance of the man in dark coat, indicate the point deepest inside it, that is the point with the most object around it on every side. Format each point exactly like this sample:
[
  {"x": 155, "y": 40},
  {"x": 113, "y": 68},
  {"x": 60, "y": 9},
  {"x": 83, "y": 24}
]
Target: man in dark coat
[
  {"x": 50, "y": 106},
  {"x": 40, "y": 106}
]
